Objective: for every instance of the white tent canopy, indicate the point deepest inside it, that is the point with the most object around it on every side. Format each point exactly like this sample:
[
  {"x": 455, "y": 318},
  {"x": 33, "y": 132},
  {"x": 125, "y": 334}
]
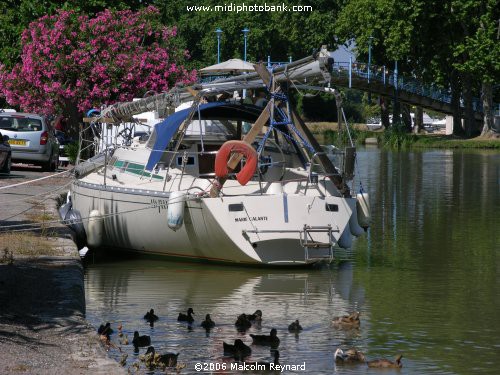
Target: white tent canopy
[{"x": 232, "y": 65}]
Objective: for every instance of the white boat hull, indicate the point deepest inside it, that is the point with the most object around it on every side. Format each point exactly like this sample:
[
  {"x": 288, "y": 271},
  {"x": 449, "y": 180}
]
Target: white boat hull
[{"x": 259, "y": 229}]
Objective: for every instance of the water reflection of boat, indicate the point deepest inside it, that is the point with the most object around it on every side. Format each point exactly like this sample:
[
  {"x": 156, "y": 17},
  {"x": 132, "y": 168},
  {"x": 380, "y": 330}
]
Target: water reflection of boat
[{"x": 154, "y": 283}]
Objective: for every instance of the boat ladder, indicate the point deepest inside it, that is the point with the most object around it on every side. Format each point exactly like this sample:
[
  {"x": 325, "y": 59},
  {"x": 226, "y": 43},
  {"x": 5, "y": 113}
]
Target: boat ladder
[{"x": 315, "y": 250}]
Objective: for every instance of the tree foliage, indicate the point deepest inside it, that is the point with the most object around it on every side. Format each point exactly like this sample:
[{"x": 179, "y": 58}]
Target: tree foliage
[
  {"x": 276, "y": 34},
  {"x": 452, "y": 43},
  {"x": 480, "y": 47},
  {"x": 71, "y": 61},
  {"x": 16, "y": 15}
]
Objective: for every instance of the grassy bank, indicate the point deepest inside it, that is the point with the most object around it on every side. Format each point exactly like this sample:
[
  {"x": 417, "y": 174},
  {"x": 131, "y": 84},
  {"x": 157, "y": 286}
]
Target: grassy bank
[
  {"x": 327, "y": 133},
  {"x": 37, "y": 242},
  {"x": 449, "y": 141}
]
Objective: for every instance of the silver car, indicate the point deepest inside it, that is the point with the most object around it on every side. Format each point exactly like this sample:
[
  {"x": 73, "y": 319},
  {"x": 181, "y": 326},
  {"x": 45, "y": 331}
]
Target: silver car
[{"x": 31, "y": 139}]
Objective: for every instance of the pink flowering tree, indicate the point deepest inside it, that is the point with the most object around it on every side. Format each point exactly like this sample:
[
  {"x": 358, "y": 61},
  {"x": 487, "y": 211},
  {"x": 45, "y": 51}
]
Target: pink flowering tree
[{"x": 71, "y": 63}]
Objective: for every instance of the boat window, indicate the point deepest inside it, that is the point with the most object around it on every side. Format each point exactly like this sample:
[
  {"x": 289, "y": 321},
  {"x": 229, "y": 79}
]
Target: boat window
[
  {"x": 332, "y": 207},
  {"x": 135, "y": 168},
  {"x": 236, "y": 207},
  {"x": 190, "y": 160},
  {"x": 212, "y": 127},
  {"x": 120, "y": 164}
]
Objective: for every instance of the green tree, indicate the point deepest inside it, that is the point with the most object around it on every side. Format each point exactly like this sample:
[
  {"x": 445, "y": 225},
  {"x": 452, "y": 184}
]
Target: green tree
[
  {"x": 451, "y": 43},
  {"x": 276, "y": 34},
  {"x": 480, "y": 22}
]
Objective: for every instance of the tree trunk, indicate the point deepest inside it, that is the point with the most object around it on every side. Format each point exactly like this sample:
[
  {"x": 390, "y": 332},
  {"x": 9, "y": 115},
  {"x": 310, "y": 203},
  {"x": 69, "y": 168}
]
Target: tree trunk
[
  {"x": 419, "y": 120},
  {"x": 384, "y": 112},
  {"x": 487, "y": 97},
  {"x": 406, "y": 115},
  {"x": 74, "y": 118},
  {"x": 469, "y": 122},
  {"x": 396, "y": 109},
  {"x": 455, "y": 103}
]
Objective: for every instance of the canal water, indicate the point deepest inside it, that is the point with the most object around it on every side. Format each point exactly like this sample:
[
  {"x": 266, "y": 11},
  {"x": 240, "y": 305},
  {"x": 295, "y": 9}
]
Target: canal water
[{"x": 425, "y": 278}]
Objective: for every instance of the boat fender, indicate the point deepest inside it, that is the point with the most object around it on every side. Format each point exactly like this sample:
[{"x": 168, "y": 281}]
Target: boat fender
[
  {"x": 363, "y": 210},
  {"x": 356, "y": 230},
  {"x": 175, "y": 209},
  {"x": 64, "y": 209},
  {"x": 345, "y": 240},
  {"x": 237, "y": 147},
  {"x": 95, "y": 229},
  {"x": 73, "y": 219}
]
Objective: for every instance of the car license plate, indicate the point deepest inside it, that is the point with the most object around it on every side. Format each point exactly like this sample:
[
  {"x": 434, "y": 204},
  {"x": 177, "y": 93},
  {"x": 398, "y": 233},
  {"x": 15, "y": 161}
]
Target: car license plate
[{"x": 17, "y": 142}]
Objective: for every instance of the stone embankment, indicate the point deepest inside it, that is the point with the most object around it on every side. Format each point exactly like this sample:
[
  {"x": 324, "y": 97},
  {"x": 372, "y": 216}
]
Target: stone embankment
[{"x": 42, "y": 299}]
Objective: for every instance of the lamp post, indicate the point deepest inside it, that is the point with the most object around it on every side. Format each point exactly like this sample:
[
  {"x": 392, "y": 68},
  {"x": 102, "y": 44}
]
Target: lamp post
[
  {"x": 218, "y": 32},
  {"x": 369, "y": 65},
  {"x": 369, "y": 56},
  {"x": 245, "y": 32}
]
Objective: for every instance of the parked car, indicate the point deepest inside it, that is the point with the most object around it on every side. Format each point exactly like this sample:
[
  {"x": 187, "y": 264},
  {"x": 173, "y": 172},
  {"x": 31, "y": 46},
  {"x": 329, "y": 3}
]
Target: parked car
[
  {"x": 31, "y": 138},
  {"x": 5, "y": 154}
]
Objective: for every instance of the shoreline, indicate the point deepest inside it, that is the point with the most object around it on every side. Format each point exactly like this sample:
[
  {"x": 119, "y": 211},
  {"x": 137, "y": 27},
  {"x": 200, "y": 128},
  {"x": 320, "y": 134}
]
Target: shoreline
[
  {"x": 43, "y": 329},
  {"x": 421, "y": 141}
]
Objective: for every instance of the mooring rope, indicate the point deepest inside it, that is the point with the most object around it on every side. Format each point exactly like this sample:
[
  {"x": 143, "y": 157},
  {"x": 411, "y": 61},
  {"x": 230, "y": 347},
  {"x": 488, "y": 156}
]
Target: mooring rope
[{"x": 31, "y": 181}]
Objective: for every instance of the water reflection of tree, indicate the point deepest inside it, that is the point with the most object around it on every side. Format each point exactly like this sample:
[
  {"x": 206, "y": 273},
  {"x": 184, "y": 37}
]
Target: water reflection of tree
[{"x": 433, "y": 256}]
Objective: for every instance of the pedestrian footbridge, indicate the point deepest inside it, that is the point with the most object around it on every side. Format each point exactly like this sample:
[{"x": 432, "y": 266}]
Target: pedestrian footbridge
[{"x": 381, "y": 81}]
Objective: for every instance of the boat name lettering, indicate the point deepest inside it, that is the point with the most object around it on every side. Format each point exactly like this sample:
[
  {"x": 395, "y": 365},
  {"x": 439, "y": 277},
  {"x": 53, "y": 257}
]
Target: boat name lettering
[
  {"x": 159, "y": 203},
  {"x": 253, "y": 218}
]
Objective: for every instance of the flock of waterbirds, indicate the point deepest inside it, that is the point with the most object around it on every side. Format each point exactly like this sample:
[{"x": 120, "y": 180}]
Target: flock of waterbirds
[{"x": 238, "y": 349}]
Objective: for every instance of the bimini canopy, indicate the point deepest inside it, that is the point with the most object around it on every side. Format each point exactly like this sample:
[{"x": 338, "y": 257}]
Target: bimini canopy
[{"x": 166, "y": 129}]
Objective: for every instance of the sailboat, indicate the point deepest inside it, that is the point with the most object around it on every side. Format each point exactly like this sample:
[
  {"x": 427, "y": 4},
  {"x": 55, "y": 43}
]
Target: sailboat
[{"x": 221, "y": 180}]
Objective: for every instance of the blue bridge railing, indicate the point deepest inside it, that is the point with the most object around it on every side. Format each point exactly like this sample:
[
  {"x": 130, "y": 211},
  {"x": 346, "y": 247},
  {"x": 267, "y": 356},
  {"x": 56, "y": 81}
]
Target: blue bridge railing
[{"x": 380, "y": 74}]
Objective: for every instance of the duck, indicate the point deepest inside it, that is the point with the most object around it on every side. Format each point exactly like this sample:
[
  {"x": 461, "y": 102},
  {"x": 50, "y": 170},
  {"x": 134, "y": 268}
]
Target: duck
[
  {"x": 256, "y": 316},
  {"x": 164, "y": 360},
  {"x": 123, "y": 359},
  {"x": 120, "y": 333},
  {"x": 385, "y": 363},
  {"x": 347, "y": 321},
  {"x": 351, "y": 355},
  {"x": 242, "y": 323},
  {"x": 169, "y": 359},
  {"x": 239, "y": 350},
  {"x": 272, "y": 339},
  {"x": 124, "y": 340},
  {"x": 148, "y": 358},
  {"x": 105, "y": 329},
  {"x": 295, "y": 327},
  {"x": 141, "y": 340},
  {"x": 186, "y": 318},
  {"x": 208, "y": 323},
  {"x": 150, "y": 316}
]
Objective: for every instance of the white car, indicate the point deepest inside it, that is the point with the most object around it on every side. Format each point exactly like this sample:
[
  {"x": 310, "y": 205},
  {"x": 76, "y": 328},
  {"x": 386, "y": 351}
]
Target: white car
[{"x": 31, "y": 139}]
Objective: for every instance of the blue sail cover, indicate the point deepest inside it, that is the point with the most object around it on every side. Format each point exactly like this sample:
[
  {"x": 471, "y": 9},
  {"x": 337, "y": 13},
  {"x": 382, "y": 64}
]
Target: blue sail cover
[{"x": 166, "y": 129}]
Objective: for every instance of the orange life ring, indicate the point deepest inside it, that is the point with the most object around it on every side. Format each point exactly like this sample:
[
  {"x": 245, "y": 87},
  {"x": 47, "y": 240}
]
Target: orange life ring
[{"x": 237, "y": 147}]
